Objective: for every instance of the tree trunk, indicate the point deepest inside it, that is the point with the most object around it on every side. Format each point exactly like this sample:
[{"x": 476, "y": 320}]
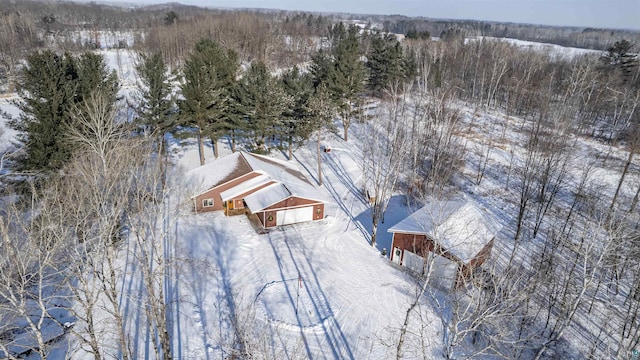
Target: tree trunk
[
  {"x": 416, "y": 301},
  {"x": 319, "y": 161},
  {"x": 345, "y": 125},
  {"x": 346, "y": 132},
  {"x": 624, "y": 174},
  {"x": 374, "y": 228},
  {"x": 214, "y": 142},
  {"x": 634, "y": 202},
  {"x": 200, "y": 146},
  {"x": 403, "y": 329},
  {"x": 233, "y": 141},
  {"x": 161, "y": 161},
  {"x": 110, "y": 286}
]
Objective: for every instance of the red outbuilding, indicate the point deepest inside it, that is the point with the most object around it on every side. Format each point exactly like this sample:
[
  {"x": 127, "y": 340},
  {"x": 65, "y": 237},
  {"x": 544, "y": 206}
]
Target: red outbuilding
[{"x": 448, "y": 239}]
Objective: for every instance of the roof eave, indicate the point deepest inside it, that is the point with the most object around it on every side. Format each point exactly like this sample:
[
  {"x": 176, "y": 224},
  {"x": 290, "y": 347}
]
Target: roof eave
[{"x": 283, "y": 199}]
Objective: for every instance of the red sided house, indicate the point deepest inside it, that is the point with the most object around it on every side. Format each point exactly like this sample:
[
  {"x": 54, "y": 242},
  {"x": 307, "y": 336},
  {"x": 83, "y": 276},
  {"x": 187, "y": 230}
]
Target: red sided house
[
  {"x": 244, "y": 183},
  {"x": 452, "y": 237}
]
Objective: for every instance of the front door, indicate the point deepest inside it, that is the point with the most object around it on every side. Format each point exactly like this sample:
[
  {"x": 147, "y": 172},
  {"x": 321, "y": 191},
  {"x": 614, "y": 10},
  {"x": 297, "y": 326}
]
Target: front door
[{"x": 396, "y": 257}]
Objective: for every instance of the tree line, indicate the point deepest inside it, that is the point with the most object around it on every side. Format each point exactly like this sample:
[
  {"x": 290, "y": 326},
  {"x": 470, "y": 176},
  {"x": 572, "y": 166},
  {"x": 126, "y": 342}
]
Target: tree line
[{"x": 216, "y": 98}]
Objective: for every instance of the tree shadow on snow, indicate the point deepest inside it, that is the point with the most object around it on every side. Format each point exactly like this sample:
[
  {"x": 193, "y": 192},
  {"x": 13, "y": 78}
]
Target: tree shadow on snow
[
  {"x": 395, "y": 213},
  {"x": 296, "y": 261}
]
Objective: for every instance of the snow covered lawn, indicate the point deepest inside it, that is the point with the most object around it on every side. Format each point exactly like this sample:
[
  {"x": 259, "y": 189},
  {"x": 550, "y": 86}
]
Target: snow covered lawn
[{"x": 311, "y": 290}]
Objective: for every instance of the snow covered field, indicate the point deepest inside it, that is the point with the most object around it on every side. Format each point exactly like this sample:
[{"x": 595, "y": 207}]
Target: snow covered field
[{"x": 555, "y": 51}]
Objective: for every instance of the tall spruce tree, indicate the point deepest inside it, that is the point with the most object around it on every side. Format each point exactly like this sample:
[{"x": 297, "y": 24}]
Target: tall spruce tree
[
  {"x": 386, "y": 62},
  {"x": 51, "y": 85},
  {"x": 296, "y": 122},
  {"x": 236, "y": 125},
  {"x": 45, "y": 92},
  {"x": 349, "y": 76},
  {"x": 620, "y": 57},
  {"x": 94, "y": 75},
  {"x": 156, "y": 105},
  {"x": 264, "y": 101},
  {"x": 209, "y": 76},
  {"x": 342, "y": 71},
  {"x": 377, "y": 63},
  {"x": 322, "y": 68}
]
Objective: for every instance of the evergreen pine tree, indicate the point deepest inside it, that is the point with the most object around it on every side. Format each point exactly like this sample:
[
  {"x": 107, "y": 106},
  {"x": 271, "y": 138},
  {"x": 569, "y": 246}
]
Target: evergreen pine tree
[
  {"x": 156, "y": 104},
  {"x": 342, "y": 71},
  {"x": 322, "y": 68},
  {"x": 296, "y": 119},
  {"x": 45, "y": 95},
  {"x": 51, "y": 86},
  {"x": 348, "y": 78},
  {"x": 237, "y": 123},
  {"x": 209, "y": 75},
  {"x": 377, "y": 63},
  {"x": 264, "y": 102},
  {"x": 387, "y": 63},
  {"x": 94, "y": 75},
  {"x": 619, "y": 57}
]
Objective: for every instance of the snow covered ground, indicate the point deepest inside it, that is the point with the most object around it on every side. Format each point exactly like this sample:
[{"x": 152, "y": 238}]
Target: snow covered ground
[
  {"x": 313, "y": 290},
  {"x": 316, "y": 290},
  {"x": 7, "y": 134},
  {"x": 556, "y": 51}
]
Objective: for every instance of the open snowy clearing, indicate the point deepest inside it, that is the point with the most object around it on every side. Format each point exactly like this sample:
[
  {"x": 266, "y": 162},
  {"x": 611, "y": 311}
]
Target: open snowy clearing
[
  {"x": 317, "y": 288},
  {"x": 556, "y": 51}
]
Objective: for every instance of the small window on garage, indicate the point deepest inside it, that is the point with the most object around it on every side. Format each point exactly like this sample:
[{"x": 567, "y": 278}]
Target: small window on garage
[{"x": 207, "y": 202}]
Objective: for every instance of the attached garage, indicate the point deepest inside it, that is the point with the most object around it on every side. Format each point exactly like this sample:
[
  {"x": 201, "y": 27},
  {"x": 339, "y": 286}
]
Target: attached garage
[
  {"x": 275, "y": 205},
  {"x": 292, "y": 216}
]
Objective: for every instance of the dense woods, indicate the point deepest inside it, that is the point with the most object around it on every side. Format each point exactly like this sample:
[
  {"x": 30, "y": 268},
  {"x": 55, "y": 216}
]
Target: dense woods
[{"x": 88, "y": 177}]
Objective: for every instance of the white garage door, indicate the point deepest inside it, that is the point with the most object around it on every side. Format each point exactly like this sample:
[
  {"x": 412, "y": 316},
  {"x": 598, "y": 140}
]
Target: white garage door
[{"x": 292, "y": 216}]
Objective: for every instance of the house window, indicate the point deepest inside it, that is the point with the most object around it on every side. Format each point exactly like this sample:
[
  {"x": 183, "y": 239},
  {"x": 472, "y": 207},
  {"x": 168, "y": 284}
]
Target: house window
[
  {"x": 318, "y": 210},
  {"x": 207, "y": 202}
]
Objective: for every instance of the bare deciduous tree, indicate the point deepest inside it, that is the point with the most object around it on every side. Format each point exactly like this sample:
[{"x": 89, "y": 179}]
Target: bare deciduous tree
[
  {"x": 385, "y": 151},
  {"x": 31, "y": 265}
]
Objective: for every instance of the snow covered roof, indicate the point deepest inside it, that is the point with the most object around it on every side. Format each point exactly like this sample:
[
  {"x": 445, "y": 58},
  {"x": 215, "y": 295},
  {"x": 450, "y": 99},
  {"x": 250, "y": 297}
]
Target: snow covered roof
[
  {"x": 218, "y": 171},
  {"x": 290, "y": 181},
  {"x": 279, "y": 170},
  {"x": 266, "y": 197},
  {"x": 458, "y": 226},
  {"x": 245, "y": 186}
]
